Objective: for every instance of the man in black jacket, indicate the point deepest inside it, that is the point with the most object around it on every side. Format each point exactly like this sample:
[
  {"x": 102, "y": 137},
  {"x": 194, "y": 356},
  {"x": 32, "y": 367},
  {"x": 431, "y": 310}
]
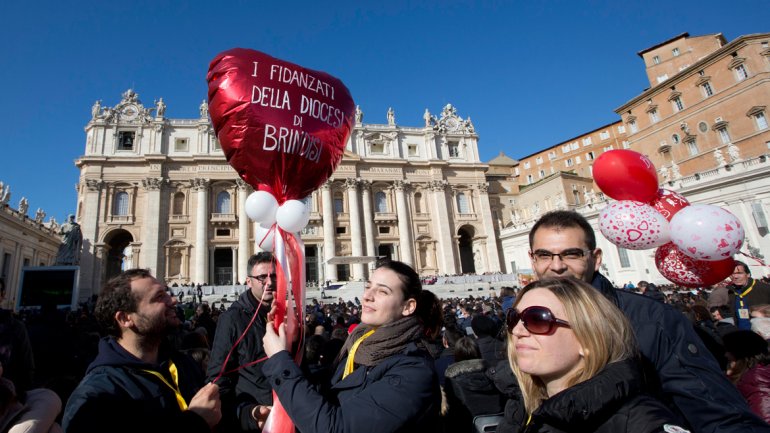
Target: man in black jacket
[
  {"x": 134, "y": 384},
  {"x": 246, "y": 395},
  {"x": 562, "y": 243},
  {"x": 744, "y": 293}
]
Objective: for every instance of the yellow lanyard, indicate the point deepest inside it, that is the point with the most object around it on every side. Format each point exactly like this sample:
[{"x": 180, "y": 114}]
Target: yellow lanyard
[
  {"x": 741, "y": 304},
  {"x": 349, "y": 364},
  {"x": 175, "y": 376}
]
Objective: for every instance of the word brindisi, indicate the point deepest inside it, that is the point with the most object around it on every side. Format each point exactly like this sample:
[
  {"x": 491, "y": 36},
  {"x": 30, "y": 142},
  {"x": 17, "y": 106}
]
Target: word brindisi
[
  {"x": 292, "y": 141},
  {"x": 301, "y": 79}
]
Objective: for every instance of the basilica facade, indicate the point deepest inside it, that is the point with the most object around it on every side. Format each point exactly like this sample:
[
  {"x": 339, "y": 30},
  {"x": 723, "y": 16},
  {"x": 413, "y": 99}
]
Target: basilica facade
[{"x": 157, "y": 193}]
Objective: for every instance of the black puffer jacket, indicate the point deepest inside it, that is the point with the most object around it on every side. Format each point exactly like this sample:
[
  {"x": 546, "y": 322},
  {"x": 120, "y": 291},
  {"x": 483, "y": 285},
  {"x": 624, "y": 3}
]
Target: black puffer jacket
[
  {"x": 247, "y": 386},
  {"x": 469, "y": 392},
  {"x": 613, "y": 401}
]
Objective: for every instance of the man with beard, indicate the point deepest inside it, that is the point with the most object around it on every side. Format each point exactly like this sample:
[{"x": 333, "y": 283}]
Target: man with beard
[
  {"x": 563, "y": 244},
  {"x": 246, "y": 395},
  {"x": 136, "y": 384}
]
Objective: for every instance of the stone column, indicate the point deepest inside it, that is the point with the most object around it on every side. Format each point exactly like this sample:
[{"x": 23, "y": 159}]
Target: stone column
[
  {"x": 243, "y": 231},
  {"x": 234, "y": 273},
  {"x": 404, "y": 223},
  {"x": 90, "y": 274},
  {"x": 201, "y": 230},
  {"x": 328, "y": 217},
  {"x": 357, "y": 270},
  {"x": 368, "y": 217},
  {"x": 446, "y": 247},
  {"x": 151, "y": 229},
  {"x": 489, "y": 227}
]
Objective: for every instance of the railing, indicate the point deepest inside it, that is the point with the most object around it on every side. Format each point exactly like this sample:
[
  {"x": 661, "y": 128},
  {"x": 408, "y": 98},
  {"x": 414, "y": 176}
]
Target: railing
[
  {"x": 222, "y": 217},
  {"x": 178, "y": 218},
  {"x": 384, "y": 216},
  {"x": 121, "y": 219}
]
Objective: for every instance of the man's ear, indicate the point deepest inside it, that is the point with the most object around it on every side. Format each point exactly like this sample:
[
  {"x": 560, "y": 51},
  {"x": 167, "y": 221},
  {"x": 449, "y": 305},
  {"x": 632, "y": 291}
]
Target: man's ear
[
  {"x": 597, "y": 259},
  {"x": 124, "y": 319}
]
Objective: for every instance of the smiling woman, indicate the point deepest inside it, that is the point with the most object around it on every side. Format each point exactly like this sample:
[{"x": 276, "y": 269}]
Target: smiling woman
[
  {"x": 574, "y": 356},
  {"x": 385, "y": 380}
]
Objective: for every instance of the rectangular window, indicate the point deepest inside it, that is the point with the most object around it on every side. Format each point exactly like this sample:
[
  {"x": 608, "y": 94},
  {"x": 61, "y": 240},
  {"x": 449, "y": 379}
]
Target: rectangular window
[
  {"x": 604, "y": 135},
  {"x": 623, "y": 256},
  {"x": 678, "y": 104},
  {"x": 707, "y": 89},
  {"x": 654, "y": 116},
  {"x": 565, "y": 148},
  {"x": 692, "y": 147},
  {"x": 181, "y": 145},
  {"x": 587, "y": 141},
  {"x": 126, "y": 140},
  {"x": 724, "y": 136},
  {"x": 377, "y": 148},
  {"x": 574, "y": 145},
  {"x": 542, "y": 174},
  {"x": 632, "y": 125},
  {"x": 621, "y": 129},
  {"x": 217, "y": 144},
  {"x": 529, "y": 179},
  {"x": 338, "y": 205},
  {"x": 539, "y": 160},
  {"x": 223, "y": 233},
  {"x": 569, "y": 162},
  {"x": 761, "y": 120},
  {"x": 759, "y": 215},
  {"x": 412, "y": 149},
  {"x": 454, "y": 150},
  {"x": 656, "y": 60},
  {"x": 662, "y": 78},
  {"x": 589, "y": 156},
  {"x": 577, "y": 160},
  {"x": 625, "y": 144},
  {"x": 527, "y": 165},
  {"x": 340, "y": 230},
  {"x": 741, "y": 72},
  {"x": 383, "y": 230},
  {"x": 675, "y": 52},
  {"x": 552, "y": 155}
]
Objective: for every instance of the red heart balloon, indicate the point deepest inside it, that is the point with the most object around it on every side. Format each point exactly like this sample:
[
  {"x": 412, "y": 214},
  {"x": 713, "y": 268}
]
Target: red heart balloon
[
  {"x": 279, "y": 124},
  {"x": 683, "y": 270},
  {"x": 668, "y": 202},
  {"x": 626, "y": 175}
]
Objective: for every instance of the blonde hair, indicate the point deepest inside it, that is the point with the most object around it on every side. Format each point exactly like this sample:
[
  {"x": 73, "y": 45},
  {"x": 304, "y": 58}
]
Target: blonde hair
[{"x": 599, "y": 326}]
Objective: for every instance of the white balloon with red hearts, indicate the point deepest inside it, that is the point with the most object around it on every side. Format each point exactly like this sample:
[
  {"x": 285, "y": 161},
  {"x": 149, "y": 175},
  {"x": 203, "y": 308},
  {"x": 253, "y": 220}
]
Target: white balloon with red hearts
[
  {"x": 633, "y": 225},
  {"x": 707, "y": 232}
]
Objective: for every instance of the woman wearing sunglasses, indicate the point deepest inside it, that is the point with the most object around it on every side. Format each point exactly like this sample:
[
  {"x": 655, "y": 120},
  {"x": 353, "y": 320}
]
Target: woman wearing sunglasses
[
  {"x": 574, "y": 355},
  {"x": 385, "y": 380}
]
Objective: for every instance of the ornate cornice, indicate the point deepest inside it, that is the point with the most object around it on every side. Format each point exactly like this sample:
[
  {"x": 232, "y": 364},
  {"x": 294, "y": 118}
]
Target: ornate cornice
[
  {"x": 199, "y": 184},
  {"x": 153, "y": 183},
  {"x": 438, "y": 185},
  {"x": 351, "y": 183},
  {"x": 94, "y": 184}
]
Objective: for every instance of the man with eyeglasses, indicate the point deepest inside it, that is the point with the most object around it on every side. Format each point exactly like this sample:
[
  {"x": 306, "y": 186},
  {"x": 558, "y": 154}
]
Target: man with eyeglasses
[
  {"x": 563, "y": 244},
  {"x": 246, "y": 394}
]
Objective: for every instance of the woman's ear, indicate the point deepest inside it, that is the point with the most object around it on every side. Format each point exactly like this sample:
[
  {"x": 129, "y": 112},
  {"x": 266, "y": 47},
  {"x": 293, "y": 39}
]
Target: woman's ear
[{"x": 409, "y": 307}]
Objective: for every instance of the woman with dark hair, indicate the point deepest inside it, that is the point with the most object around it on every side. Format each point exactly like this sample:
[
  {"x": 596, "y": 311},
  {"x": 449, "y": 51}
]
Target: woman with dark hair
[
  {"x": 469, "y": 391},
  {"x": 574, "y": 355},
  {"x": 385, "y": 380},
  {"x": 749, "y": 369}
]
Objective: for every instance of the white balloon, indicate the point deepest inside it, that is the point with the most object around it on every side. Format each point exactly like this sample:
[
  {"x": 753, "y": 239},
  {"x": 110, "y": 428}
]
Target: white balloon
[
  {"x": 707, "y": 232},
  {"x": 292, "y": 216},
  {"x": 265, "y": 238},
  {"x": 633, "y": 225},
  {"x": 261, "y": 207}
]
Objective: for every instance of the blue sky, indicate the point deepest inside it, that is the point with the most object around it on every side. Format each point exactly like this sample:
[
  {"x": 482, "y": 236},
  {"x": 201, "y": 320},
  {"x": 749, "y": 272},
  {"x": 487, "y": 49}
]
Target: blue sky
[{"x": 530, "y": 74}]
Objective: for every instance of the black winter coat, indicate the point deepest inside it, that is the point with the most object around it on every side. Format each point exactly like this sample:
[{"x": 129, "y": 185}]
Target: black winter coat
[
  {"x": 690, "y": 378},
  {"x": 247, "y": 386},
  {"x": 116, "y": 395},
  {"x": 400, "y": 394},
  {"x": 469, "y": 392},
  {"x": 613, "y": 401}
]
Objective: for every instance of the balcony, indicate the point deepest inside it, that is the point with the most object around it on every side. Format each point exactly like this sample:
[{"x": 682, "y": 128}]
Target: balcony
[
  {"x": 466, "y": 217},
  {"x": 385, "y": 216},
  {"x": 120, "y": 219},
  {"x": 179, "y": 219},
  {"x": 223, "y": 218}
]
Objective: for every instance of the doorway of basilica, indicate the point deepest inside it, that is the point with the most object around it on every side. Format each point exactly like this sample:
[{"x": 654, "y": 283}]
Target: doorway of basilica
[
  {"x": 223, "y": 266},
  {"x": 117, "y": 241},
  {"x": 465, "y": 244}
]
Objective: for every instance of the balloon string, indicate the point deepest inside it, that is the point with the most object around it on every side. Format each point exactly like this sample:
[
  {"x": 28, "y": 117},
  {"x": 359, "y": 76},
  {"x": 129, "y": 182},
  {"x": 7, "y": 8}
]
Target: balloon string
[
  {"x": 757, "y": 259},
  {"x": 271, "y": 229},
  {"x": 243, "y": 335}
]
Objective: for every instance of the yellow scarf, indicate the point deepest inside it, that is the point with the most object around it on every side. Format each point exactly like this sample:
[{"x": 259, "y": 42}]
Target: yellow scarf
[{"x": 350, "y": 362}]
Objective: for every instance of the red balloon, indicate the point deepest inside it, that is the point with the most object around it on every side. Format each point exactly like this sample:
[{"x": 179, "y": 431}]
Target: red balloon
[
  {"x": 278, "y": 123},
  {"x": 685, "y": 271},
  {"x": 669, "y": 202},
  {"x": 626, "y": 175}
]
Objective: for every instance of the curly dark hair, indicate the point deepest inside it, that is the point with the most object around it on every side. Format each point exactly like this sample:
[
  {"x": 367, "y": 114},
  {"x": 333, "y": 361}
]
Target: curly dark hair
[
  {"x": 565, "y": 219},
  {"x": 117, "y": 296}
]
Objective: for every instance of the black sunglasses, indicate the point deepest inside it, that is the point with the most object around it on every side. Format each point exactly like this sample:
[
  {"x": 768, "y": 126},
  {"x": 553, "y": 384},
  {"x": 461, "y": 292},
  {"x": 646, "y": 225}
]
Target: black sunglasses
[
  {"x": 537, "y": 320},
  {"x": 263, "y": 277}
]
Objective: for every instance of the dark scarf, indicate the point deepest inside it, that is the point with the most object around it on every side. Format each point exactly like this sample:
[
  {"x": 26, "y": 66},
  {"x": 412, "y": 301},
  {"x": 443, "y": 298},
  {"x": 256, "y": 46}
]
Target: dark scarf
[{"x": 387, "y": 340}]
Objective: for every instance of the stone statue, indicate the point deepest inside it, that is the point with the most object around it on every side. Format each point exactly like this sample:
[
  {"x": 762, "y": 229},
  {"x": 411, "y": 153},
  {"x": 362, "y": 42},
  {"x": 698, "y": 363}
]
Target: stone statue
[
  {"x": 685, "y": 128},
  {"x": 720, "y": 158},
  {"x": 5, "y": 196},
  {"x": 427, "y": 118},
  {"x": 96, "y": 109},
  {"x": 130, "y": 96},
  {"x": 72, "y": 240},
  {"x": 359, "y": 115},
  {"x": 587, "y": 196},
  {"x": 128, "y": 257},
  {"x": 39, "y": 216},
  {"x": 53, "y": 225},
  {"x": 204, "y": 109},
  {"x": 469, "y": 125},
  {"x": 675, "y": 171},
  {"x": 23, "y": 206},
  {"x": 391, "y": 117},
  {"x": 665, "y": 173},
  {"x": 733, "y": 152},
  {"x": 160, "y": 108}
]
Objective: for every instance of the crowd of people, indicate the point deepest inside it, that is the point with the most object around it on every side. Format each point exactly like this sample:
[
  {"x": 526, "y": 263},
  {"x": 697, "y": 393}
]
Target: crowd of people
[{"x": 568, "y": 352}]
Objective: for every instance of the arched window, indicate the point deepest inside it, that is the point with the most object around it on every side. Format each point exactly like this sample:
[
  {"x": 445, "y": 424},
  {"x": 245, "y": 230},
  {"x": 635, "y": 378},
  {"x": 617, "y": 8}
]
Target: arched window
[
  {"x": 120, "y": 207},
  {"x": 178, "y": 208},
  {"x": 223, "y": 202},
  {"x": 380, "y": 202},
  {"x": 462, "y": 204},
  {"x": 418, "y": 207}
]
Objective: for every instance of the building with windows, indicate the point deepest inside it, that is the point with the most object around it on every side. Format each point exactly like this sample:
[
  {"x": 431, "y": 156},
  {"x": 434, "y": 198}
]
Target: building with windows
[{"x": 158, "y": 193}]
